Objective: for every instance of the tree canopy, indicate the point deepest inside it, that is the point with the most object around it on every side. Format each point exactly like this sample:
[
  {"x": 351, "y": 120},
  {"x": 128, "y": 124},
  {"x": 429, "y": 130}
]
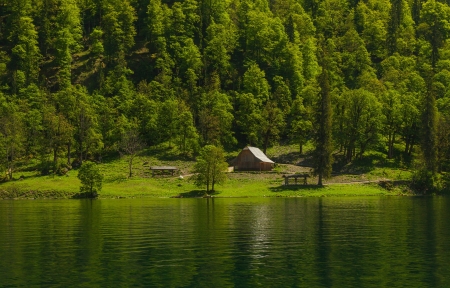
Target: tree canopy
[{"x": 76, "y": 75}]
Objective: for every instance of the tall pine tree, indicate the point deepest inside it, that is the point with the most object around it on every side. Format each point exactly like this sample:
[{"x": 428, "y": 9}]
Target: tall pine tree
[{"x": 323, "y": 140}]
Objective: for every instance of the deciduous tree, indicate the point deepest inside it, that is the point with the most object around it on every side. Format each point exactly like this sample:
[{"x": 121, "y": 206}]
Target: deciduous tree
[
  {"x": 130, "y": 145},
  {"x": 91, "y": 179},
  {"x": 210, "y": 168}
]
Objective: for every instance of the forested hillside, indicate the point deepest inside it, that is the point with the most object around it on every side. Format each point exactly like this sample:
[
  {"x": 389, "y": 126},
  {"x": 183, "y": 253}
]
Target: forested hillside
[{"x": 82, "y": 78}]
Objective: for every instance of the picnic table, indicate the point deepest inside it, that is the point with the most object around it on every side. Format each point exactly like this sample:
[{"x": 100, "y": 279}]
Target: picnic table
[
  {"x": 305, "y": 177},
  {"x": 170, "y": 169}
]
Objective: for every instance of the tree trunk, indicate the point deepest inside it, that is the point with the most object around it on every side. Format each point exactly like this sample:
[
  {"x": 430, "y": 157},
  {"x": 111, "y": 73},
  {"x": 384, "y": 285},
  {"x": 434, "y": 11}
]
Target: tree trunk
[
  {"x": 266, "y": 142},
  {"x": 319, "y": 183},
  {"x": 55, "y": 157},
  {"x": 9, "y": 170},
  {"x": 184, "y": 143},
  {"x": 68, "y": 154},
  {"x": 362, "y": 150},
  {"x": 411, "y": 145},
  {"x": 130, "y": 167},
  {"x": 389, "y": 145},
  {"x": 407, "y": 145},
  {"x": 80, "y": 143},
  {"x": 349, "y": 153},
  {"x": 9, "y": 160},
  {"x": 301, "y": 148}
]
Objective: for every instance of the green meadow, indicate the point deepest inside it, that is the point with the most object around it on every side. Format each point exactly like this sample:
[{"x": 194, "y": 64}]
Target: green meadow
[{"x": 374, "y": 175}]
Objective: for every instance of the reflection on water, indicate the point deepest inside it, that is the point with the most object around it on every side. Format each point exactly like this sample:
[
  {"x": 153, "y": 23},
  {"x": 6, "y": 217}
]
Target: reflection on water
[{"x": 299, "y": 242}]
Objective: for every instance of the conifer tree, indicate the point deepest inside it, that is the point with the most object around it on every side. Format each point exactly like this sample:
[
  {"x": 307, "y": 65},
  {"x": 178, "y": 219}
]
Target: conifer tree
[
  {"x": 395, "y": 20},
  {"x": 323, "y": 139},
  {"x": 429, "y": 140}
]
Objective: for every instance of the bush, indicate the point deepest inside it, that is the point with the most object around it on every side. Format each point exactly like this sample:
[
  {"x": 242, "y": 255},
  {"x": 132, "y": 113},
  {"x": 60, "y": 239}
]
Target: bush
[
  {"x": 62, "y": 168},
  {"x": 91, "y": 179},
  {"x": 423, "y": 182},
  {"x": 45, "y": 167}
]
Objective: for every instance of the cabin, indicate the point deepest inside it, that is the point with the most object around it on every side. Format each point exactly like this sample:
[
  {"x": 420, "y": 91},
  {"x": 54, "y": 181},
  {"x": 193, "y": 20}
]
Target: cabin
[{"x": 252, "y": 159}]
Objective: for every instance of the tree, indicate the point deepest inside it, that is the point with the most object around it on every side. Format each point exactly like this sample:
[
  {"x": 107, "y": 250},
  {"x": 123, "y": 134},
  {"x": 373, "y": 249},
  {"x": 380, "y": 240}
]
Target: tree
[
  {"x": 91, "y": 179},
  {"x": 187, "y": 136},
  {"x": 130, "y": 145},
  {"x": 210, "y": 167},
  {"x": 395, "y": 21},
  {"x": 248, "y": 116},
  {"x": 355, "y": 58},
  {"x": 430, "y": 126},
  {"x": 255, "y": 82},
  {"x": 78, "y": 108},
  {"x": 67, "y": 40},
  {"x": 391, "y": 110},
  {"x": 118, "y": 27},
  {"x": 362, "y": 117},
  {"x": 272, "y": 122},
  {"x": 11, "y": 134},
  {"x": 58, "y": 132},
  {"x": 167, "y": 121},
  {"x": 215, "y": 117},
  {"x": 323, "y": 138},
  {"x": 301, "y": 124},
  {"x": 434, "y": 26},
  {"x": 25, "y": 53},
  {"x": 221, "y": 42}
]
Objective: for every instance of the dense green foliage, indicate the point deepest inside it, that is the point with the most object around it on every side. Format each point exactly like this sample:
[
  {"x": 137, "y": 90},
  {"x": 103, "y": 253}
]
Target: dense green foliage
[
  {"x": 210, "y": 167},
  {"x": 75, "y": 76},
  {"x": 91, "y": 179}
]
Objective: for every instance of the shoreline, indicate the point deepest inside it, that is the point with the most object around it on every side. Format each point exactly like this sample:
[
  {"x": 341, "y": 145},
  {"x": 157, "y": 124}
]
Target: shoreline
[{"x": 349, "y": 189}]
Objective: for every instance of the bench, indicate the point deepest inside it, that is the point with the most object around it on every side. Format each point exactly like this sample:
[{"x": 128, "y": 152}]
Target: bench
[
  {"x": 305, "y": 177},
  {"x": 170, "y": 169}
]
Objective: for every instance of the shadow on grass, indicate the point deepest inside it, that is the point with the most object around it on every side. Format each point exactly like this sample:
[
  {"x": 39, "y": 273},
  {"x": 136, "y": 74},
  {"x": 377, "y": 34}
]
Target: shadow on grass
[
  {"x": 359, "y": 166},
  {"x": 295, "y": 158},
  {"x": 369, "y": 162},
  {"x": 286, "y": 188},
  {"x": 288, "y": 158},
  {"x": 15, "y": 179},
  {"x": 165, "y": 153},
  {"x": 196, "y": 194}
]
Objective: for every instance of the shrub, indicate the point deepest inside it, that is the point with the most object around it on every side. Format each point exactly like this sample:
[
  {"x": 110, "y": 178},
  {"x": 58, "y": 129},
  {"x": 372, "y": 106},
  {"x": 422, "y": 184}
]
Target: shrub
[
  {"x": 423, "y": 181},
  {"x": 91, "y": 179},
  {"x": 62, "y": 168}
]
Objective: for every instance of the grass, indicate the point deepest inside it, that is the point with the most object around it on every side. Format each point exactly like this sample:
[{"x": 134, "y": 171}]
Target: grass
[{"x": 116, "y": 184}]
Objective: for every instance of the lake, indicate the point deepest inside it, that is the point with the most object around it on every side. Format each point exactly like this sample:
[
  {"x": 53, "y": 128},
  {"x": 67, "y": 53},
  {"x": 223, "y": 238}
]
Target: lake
[{"x": 240, "y": 242}]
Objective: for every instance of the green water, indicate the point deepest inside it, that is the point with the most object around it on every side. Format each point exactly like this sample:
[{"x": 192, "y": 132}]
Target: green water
[{"x": 278, "y": 242}]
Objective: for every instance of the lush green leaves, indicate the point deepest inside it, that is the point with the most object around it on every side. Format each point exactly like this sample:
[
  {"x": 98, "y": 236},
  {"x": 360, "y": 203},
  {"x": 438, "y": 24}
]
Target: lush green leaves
[
  {"x": 91, "y": 179},
  {"x": 210, "y": 168},
  {"x": 76, "y": 75}
]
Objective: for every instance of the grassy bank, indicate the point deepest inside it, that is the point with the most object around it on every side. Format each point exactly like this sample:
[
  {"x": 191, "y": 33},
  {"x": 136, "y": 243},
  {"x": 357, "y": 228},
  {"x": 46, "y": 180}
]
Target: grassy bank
[
  {"x": 350, "y": 180},
  {"x": 238, "y": 185}
]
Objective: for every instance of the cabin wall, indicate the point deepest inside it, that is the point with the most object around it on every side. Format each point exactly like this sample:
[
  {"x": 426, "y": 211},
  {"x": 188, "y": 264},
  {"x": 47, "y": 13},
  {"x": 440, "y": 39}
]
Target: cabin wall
[
  {"x": 266, "y": 166},
  {"x": 246, "y": 161}
]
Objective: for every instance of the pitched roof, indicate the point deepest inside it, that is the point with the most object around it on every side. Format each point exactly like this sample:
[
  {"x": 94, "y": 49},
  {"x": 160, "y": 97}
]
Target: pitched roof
[{"x": 259, "y": 154}]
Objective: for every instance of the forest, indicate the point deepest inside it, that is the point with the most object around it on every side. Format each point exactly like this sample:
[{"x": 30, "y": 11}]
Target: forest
[{"x": 81, "y": 79}]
